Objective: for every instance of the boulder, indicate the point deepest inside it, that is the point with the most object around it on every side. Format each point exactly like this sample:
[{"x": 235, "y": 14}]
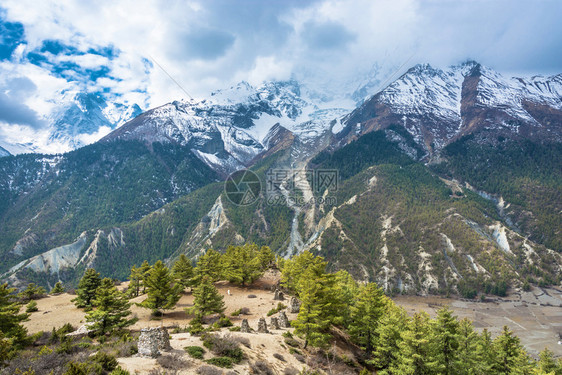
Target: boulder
[{"x": 278, "y": 295}]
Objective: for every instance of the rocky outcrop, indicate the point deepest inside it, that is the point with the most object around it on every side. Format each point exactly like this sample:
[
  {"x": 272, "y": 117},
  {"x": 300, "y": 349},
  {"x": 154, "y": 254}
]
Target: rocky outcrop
[
  {"x": 278, "y": 295},
  {"x": 274, "y": 323}
]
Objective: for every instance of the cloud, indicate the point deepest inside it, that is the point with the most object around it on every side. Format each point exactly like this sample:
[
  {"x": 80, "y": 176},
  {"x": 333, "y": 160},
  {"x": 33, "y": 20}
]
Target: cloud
[
  {"x": 12, "y": 109},
  {"x": 206, "y": 44},
  {"x": 327, "y": 35},
  {"x": 331, "y": 45}
]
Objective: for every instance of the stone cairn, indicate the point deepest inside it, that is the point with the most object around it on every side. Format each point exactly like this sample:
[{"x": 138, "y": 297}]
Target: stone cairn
[
  {"x": 295, "y": 305},
  {"x": 245, "y": 327},
  {"x": 278, "y": 295},
  {"x": 283, "y": 320},
  {"x": 152, "y": 341},
  {"x": 262, "y": 326},
  {"x": 274, "y": 323}
]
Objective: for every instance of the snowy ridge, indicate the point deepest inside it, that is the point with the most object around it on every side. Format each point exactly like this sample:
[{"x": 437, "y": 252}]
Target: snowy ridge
[
  {"x": 4, "y": 152},
  {"x": 229, "y": 129}
]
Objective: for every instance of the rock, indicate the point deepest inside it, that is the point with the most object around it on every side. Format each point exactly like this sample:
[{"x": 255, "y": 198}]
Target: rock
[
  {"x": 245, "y": 327},
  {"x": 262, "y": 326},
  {"x": 283, "y": 320},
  {"x": 274, "y": 323},
  {"x": 295, "y": 305},
  {"x": 152, "y": 341},
  {"x": 83, "y": 330},
  {"x": 278, "y": 295}
]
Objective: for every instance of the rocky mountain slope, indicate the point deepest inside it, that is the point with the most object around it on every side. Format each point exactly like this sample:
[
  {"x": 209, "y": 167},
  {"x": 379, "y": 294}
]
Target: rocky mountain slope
[
  {"x": 448, "y": 181},
  {"x": 4, "y": 152}
]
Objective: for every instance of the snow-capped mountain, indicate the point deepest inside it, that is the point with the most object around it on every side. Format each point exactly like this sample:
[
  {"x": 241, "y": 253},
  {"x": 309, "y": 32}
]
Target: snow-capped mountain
[
  {"x": 229, "y": 129},
  {"x": 4, "y": 152},
  {"x": 78, "y": 119},
  {"x": 438, "y": 106}
]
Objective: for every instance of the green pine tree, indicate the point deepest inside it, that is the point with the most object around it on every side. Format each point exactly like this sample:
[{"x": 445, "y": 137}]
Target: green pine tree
[
  {"x": 510, "y": 356},
  {"x": 183, "y": 271},
  {"x": 207, "y": 300},
  {"x": 415, "y": 349},
  {"x": 58, "y": 288},
  {"x": 388, "y": 333},
  {"x": 11, "y": 319},
  {"x": 87, "y": 287},
  {"x": 209, "y": 265},
  {"x": 162, "y": 292},
  {"x": 240, "y": 264},
  {"x": 445, "y": 338},
  {"x": 32, "y": 291},
  {"x": 346, "y": 290},
  {"x": 143, "y": 271},
  {"x": 485, "y": 353},
  {"x": 547, "y": 364},
  {"x": 365, "y": 315},
  {"x": 313, "y": 321},
  {"x": 112, "y": 310},
  {"x": 136, "y": 281},
  {"x": 468, "y": 360},
  {"x": 294, "y": 268},
  {"x": 265, "y": 258}
]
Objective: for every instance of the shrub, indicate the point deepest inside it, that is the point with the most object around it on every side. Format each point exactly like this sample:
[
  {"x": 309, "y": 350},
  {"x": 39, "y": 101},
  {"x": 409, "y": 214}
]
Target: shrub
[
  {"x": 31, "y": 307},
  {"x": 252, "y": 296},
  {"x": 195, "y": 327},
  {"x": 279, "y": 307},
  {"x": 106, "y": 361},
  {"x": 290, "y": 371},
  {"x": 224, "y": 322},
  {"x": 245, "y": 311},
  {"x": 172, "y": 362},
  {"x": 195, "y": 351},
  {"x": 236, "y": 312},
  {"x": 208, "y": 370},
  {"x": 224, "y": 362},
  {"x": 225, "y": 346},
  {"x": 244, "y": 341},
  {"x": 288, "y": 334},
  {"x": 279, "y": 357},
  {"x": 119, "y": 371},
  {"x": 260, "y": 368},
  {"x": 292, "y": 342},
  {"x": 234, "y": 329}
]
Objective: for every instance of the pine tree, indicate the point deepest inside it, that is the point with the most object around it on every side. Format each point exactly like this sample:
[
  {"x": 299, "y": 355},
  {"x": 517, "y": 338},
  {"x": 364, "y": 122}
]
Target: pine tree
[
  {"x": 365, "y": 315},
  {"x": 162, "y": 293},
  {"x": 136, "y": 277},
  {"x": 112, "y": 310},
  {"x": 485, "y": 352},
  {"x": 143, "y": 271},
  {"x": 183, "y": 271},
  {"x": 265, "y": 258},
  {"x": 346, "y": 290},
  {"x": 240, "y": 264},
  {"x": 313, "y": 320},
  {"x": 510, "y": 356},
  {"x": 415, "y": 349},
  {"x": 468, "y": 360},
  {"x": 294, "y": 268},
  {"x": 58, "y": 288},
  {"x": 207, "y": 300},
  {"x": 11, "y": 319},
  {"x": 87, "y": 287},
  {"x": 445, "y": 337},
  {"x": 547, "y": 364},
  {"x": 32, "y": 291},
  {"x": 209, "y": 265},
  {"x": 388, "y": 340}
]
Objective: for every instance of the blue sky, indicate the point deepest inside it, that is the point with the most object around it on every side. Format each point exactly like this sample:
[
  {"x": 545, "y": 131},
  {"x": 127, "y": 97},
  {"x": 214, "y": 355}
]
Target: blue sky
[{"x": 51, "y": 47}]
